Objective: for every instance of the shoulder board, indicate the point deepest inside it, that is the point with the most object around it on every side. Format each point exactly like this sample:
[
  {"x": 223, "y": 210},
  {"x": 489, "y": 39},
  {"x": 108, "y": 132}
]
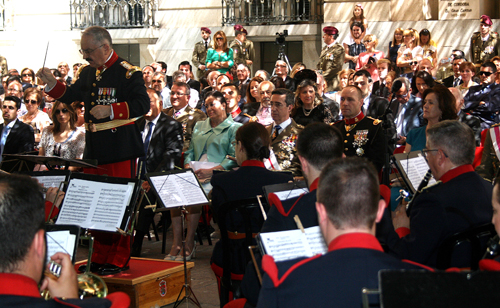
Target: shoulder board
[
  {"x": 80, "y": 69},
  {"x": 300, "y": 126},
  {"x": 475, "y": 34},
  {"x": 131, "y": 69},
  {"x": 431, "y": 186},
  {"x": 375, "y": 121}
]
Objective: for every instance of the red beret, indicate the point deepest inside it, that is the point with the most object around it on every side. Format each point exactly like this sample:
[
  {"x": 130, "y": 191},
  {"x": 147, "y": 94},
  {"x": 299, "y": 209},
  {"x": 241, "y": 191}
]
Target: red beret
[
  {"x": 206, "y": 30},
  {"x": 240, "y": 28},
  {"x": 485, "y": 19},
  {"x": 330, "y": 30}
]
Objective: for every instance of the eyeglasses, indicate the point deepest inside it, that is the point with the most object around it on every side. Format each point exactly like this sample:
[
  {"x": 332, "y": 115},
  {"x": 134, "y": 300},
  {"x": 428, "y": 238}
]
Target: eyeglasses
[
  {"x": 414, "y": 63},
  {"x": 276, "y": 104},
  {"x": 402, "y": 96},
  {"x": 89, "y": 51},
  {"x": 177, "y": 93},
  {"x": 13, "y": 90},
  {"x": 58, "y": 111},
  {"x": 80, "y": 106},
  {"x": 27, "y": 75},
  {"x": 426, "y": 151},
  {"x": 157, "y": 81},
  {"x": 9, "y": 107},
  {"x": 485, "y": 73},
  {"x": 219, "y": 38},
  {"x": 368, "y": 41},
  {"x": 280, "y": 66},
  {"x": 31, "y": 101}
]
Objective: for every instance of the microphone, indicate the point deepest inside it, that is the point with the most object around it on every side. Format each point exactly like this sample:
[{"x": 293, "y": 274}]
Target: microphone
[{"x": 396, "y": 86}]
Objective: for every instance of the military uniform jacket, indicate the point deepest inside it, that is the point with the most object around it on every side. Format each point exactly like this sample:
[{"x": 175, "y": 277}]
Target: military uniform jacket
[
  {"x": 188, "y": 119},
  {"x": 199, "y": 57},
  {"x": 242, "y": 51},
  {"x": 335, "y": 279},
  {"x": 483, "y": 52},
  {"x": 365, "y": 138},
  {"x": 490, "y": 164},
  {"x": 330, "y": 62},
  {"x": 459, "y": 201},
  {"x": 119, "y": 85},
  {"x": 285, "y": 148},
  {"x": 488, "y": 113}
]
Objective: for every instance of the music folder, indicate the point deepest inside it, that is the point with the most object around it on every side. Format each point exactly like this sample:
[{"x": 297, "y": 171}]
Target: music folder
[
  {"x": 99, "y": 202},
  {"x": 176, "y": 188},
  {"x": 286, "y": 191},
  {"x": 412, "y": 167},
  {"x": 62, "y": 238}
]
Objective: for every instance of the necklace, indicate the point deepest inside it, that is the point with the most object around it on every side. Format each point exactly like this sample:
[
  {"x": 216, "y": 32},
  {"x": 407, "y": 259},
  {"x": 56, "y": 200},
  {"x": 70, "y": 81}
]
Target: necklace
[{"x": 307, "y": 113}]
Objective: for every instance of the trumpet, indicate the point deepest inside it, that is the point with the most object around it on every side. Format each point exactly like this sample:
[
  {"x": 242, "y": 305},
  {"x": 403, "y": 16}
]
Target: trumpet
[{"x": 89, "y": 285}]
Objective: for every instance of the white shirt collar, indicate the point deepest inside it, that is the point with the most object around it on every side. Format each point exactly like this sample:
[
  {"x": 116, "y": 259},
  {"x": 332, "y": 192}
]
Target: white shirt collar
[{"x": 284, "y": 124}]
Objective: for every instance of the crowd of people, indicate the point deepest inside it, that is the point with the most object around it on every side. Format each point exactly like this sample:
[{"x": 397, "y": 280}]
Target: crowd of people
[{"x": 296, "y": 123}]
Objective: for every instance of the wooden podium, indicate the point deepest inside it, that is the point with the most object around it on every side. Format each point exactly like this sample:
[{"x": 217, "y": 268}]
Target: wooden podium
[{"x": 149, "y": 282}]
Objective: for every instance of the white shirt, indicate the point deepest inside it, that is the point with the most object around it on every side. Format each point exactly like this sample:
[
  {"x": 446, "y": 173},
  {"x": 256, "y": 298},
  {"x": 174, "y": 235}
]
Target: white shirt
[
  {"x": 146, "y": 128},
  {"x": 283, "y": 125}
]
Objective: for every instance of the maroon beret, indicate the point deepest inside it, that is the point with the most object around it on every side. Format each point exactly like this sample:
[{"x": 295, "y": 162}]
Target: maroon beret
[
  {"x": 240, "y": 28},
  {"x": 206, "y": 30},
  {"x": 330, "y": 30},
  {"x": 485, "y": 19}
]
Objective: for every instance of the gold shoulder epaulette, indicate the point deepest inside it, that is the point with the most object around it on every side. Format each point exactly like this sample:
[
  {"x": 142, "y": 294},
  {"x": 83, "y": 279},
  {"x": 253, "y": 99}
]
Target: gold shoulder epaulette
[
  {"x": 131, "y": 69},
  {"x": 375, "y": 121},
  {"x": 495, "y": 125},
  {"x": 80, "y": 69}
]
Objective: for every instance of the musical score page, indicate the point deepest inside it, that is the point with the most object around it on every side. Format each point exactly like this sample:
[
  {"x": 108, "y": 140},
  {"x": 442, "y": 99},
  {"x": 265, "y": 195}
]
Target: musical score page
[
  {"x": 415, "y": 169},
  {"x": 179, "y": 189},
  {"x": 95, "y": 205}
]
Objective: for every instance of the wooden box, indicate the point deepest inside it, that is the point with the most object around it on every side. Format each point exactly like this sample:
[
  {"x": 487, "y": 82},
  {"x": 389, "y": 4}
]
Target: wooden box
[{"x": 149, "y": 282}]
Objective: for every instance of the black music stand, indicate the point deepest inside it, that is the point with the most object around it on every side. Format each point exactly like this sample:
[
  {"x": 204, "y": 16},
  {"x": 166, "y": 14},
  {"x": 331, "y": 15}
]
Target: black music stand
[{"x": 179, "y": 188}]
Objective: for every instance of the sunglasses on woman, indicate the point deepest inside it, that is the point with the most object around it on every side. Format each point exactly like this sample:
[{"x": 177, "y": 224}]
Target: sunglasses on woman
[{"x": 64, "y": 110}]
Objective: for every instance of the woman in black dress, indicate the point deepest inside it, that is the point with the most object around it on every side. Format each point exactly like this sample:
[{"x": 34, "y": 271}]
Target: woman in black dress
[{"x": 309, "y": 105}]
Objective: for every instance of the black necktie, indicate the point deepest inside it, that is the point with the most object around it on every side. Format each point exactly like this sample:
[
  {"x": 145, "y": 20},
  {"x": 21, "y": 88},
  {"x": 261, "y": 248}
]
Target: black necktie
[{"x": 206, "y": 45}]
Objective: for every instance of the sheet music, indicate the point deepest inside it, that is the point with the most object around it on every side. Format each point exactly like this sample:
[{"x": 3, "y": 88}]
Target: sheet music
[
  {"x": 179, "y": 189},
  {"x": 316, "y": 240},
  {"x": 95, "y": 205},
  {"x": 50, "y": 180},
  {"x": 292, "y": 244},
  {"x": 415, "y": 169},
  {"x": 60, "y": 241},
  {"x": 290, "y": 194}
]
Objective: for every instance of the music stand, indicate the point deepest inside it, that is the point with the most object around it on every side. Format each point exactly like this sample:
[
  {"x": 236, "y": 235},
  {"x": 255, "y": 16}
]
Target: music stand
[
  {"x": 96, "y": 202},
  {"x": 179, "y": 188},
  {"x": 27, "y": 162}
]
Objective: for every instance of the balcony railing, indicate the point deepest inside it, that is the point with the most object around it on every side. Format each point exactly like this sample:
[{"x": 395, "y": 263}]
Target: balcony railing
[
  {"x": 265, "y": 12},
  {"x": 113, "y": 13}
]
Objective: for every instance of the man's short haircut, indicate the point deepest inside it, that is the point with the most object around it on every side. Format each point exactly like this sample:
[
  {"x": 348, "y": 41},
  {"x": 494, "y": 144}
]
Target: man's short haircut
[
  {"x": 99, "y": 34},
  {"x": 163, "y": 75},
  {"x": 490, "y": 65},
  {"x": 12, "y": 79},
  {"x": 148, "y": 66},
  {"x": 286, "y": 65},
  {"x": 15, "y": 99},
  {"x": 455, "y": 139},
  {"x": 318, "y": 143},
  {"x": 289, "y": 98},
  {"x": 364, "y": 73},
  {"x": 267, "y": 82},
  {"x": 163, "y": 65},
  {"x": 151, "y": 90},
  {"x": 187, "y": 88},
  {"x": 339, "y": 191},
  {"x": 232, "y": 85},
  {"x": 405, "y": 81},
  {"x": 22, "y": 212},
  {"x": 178, "y": 74},
  {"x": 245, "y": 66},
  {"x": 459, "y": 51},
  {"x": 458, "y": 58},
  {"x": 386, "y": 61},
  {"x": 265, "y": 73},
  {"x": 358, "y": 90},
  {"x": 186, "y": 63},
  {"x": 359, "y": 25}
]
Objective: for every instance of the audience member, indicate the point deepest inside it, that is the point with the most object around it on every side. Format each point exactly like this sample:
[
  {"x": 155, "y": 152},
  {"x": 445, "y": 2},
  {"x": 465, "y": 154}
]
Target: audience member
[
  {"x": 242, "y": 47},
  {"x": 473, "y": 122},
  {"x": 252, "y": 103},
  {"x": 243, "y": 74},
  {"x": 220, "y": 56},
  {"x": 147, "y": 75},
  {"x": 262, "y": 74},
  {"x": 329, "y": 103},
  {"x": 17, "y": 137},
  {"x": 281, "y": 70},
  {"x": 63, "y": 68},
  {"x": 363, "y": 136},
  {"x": 194, "y": 96},
  {"x": 232, "y": 95},
  {"x": 368, "y": 60},
  {"x": 394, "y": 45},
  {"x": 423, "y": 80},
  {"x": 409, "y": 52},
  {"x": 309, "y": 106},
  {"x": 187, "y": 69},
  {"x": 35, "y": 117},
  {"x": 297, "y": 67},
  {"x": 429, "y": 46},
  {"x": 484, "y": 44},
  {"x": 159, "y": 84},
  {"x": 455, "y": 80},
  {"x": 353, "y": 46},
  {"x": 467, "y": 72}
]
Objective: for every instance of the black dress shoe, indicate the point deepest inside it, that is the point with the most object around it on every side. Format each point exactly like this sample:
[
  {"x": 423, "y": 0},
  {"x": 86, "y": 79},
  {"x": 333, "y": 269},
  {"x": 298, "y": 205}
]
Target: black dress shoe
[
  {"x": 94, "y": 267},
  {"x": 110, "y": 269}
]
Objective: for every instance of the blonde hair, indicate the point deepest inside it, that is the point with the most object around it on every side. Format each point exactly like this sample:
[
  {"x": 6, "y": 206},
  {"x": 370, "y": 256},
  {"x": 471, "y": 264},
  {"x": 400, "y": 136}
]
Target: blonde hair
[
  {"x": 394, "y": 41},
  {"x": 413, "y": 33},
  {"x": 372, "y": 38}
]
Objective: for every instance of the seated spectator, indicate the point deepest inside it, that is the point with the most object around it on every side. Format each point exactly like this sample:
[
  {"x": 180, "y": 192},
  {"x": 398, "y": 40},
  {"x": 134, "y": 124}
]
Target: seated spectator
[
  {"x": 63, "y": 139},
  {"x": 429, "y": 47},
  {"x": 473, "y": 122},
  {"x": 409, "y": 52},
  {"x": 422, "y": 80},
  {"x": 309, "y": 105},
  {"x": 79, "y": 108},
  {"x": 35, "y": 117},
  {"x": 460, "y": 200},
  {"x": 281, "y": 71},
  {"x": 368, "y": 60},
  {"x": 17, "y": 137},
  {"x": 467, "y": 72},
  {"x": 194, "y": 97},
  {"x": 263, "y": 114},
  {"x": 253, "y": 98},
  {"x": 483, "y": 101},
  {"x": 24, "y": 253},
  {"x": 343, "y": 77},
  {"x": 262, "y": 74},
  {"x": 347, "y": 221},
  {"x": 297, "y": 67}
]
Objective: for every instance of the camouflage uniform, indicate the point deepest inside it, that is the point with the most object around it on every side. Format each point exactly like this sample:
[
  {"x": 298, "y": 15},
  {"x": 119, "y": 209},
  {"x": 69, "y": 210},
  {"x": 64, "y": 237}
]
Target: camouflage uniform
[
  {"x": 330, "y": 62},
  {"x": 242, "y": 51},
  {"x": 482, "y": 52},
  {"x": 199, "y": 57}
]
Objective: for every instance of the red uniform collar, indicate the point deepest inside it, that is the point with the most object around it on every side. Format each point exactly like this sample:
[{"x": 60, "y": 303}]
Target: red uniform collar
[
  {"x": 19, "y": 285},
  {"x": 314, "y": 185},
  {"x": 355, "y": 240},
  {"x": 453, "y": 173},
  {"x": 235, "y": 113},
  {"x": 252, "y": 163},
  {"x": 110, "y": 62},
  {"x": 355, "y": 120}
]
